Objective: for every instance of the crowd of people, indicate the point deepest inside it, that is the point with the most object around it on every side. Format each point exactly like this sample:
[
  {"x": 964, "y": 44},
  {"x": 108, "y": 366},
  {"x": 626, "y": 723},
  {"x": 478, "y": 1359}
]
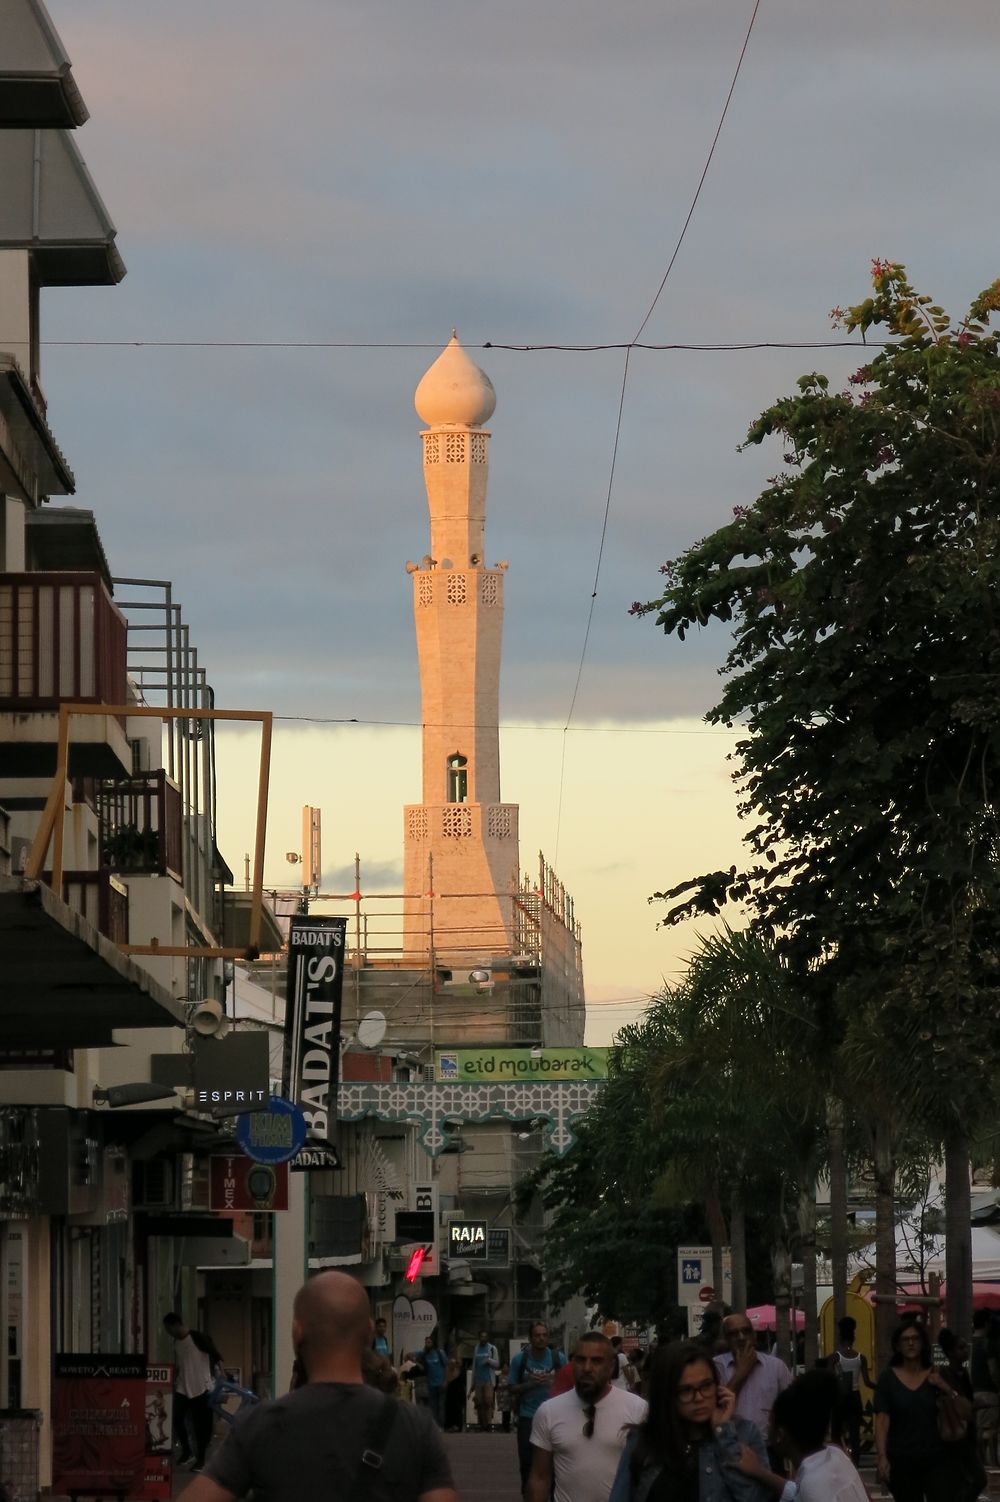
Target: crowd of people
[{"x": 710, "y": 1420}]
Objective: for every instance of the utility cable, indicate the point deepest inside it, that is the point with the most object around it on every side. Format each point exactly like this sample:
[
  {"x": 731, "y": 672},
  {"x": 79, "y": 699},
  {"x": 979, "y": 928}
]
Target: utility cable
[
  {"x": 621, "y": 408},
  {"x": 710, "y": 347}
]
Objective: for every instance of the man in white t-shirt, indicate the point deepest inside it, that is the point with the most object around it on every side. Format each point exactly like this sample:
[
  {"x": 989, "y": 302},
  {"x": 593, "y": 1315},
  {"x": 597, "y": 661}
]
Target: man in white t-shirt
[
  {"x": 578, "y": 1438},
  {"x": 198, "y": 1363}
]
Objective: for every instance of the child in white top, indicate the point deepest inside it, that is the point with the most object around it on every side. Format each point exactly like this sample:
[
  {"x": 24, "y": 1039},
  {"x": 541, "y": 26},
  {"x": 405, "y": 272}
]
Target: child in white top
[{"x": 800, "y": 1424}]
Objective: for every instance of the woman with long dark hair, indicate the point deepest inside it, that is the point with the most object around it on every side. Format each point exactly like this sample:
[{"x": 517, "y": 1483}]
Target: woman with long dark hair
[
  {"x": 914, "y": 1407},
  {"x": 688, "y": 1446}
]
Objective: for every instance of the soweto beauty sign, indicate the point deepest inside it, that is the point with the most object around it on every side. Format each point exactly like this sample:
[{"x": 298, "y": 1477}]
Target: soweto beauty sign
[
  {"x": 470, "y": 1066},
  {"x": 312, "y": 1032}
]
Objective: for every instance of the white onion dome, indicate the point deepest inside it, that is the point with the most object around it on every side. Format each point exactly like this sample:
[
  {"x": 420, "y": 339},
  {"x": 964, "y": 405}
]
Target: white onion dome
[{"x": 454, "y": 391}]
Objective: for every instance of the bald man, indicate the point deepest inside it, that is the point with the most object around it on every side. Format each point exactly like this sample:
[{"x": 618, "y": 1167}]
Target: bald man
[{"x": 312, "y": 1443}]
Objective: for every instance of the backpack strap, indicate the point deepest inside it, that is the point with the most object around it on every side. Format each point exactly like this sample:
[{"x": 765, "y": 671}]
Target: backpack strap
[{"x": 373, "y": 1455}]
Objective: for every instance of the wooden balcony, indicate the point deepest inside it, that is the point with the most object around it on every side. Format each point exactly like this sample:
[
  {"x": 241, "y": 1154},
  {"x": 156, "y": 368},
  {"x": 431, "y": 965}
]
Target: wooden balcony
[
  {"x": 140, "y": 825},
  {"x": 61, "y": 638},
  {"x": 99, "y": 898}
]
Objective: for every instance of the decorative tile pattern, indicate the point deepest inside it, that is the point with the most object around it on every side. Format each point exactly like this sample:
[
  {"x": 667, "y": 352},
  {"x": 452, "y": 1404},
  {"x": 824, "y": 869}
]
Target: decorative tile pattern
[
  {"x": 456, "y": 822},
  {"x": 457, "y": 589},
  {"x": 498, "y": 823},
  {"x": 432, "y": 448},
  {"x": 416, "y": 823},
  {"x": 560, "y": 1106},
  {"x": 425, "y": 589},
  {"x": 478, "y": 446},
  {"x": 454, "y": 448},
  {"x": 491, "y": 589}
]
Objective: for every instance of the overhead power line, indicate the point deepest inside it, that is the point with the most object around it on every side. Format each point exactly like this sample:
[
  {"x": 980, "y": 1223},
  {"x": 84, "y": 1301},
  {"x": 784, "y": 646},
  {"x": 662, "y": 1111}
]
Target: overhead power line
[
  {"x": 632, "y": 343},
  {"x": 706, "y": 347}
]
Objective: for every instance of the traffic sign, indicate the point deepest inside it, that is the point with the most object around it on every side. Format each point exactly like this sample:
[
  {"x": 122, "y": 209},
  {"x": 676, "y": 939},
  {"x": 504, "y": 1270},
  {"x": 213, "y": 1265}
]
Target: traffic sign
[
  {"x": 707, "y": 1295},
  {"x": 274, "y": 1135}
]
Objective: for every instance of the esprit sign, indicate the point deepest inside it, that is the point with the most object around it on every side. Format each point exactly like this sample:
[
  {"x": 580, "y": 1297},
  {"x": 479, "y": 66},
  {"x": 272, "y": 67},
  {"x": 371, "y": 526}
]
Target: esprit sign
[
  {"x": 468, "y": 1240},
  {"x": 312, "y": 1030}
]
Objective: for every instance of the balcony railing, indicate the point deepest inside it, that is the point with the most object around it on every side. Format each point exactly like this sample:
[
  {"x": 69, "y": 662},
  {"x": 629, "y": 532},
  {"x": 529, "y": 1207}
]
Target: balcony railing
[
  {"x": 140, "y": 824},
  {"x": 99, "y": 898},
  {"x": 61, "y": 637}
]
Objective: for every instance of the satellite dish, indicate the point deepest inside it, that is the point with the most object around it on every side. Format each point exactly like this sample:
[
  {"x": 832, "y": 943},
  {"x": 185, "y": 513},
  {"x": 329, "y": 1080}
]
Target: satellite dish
[{"x": 371, "y": 1030}]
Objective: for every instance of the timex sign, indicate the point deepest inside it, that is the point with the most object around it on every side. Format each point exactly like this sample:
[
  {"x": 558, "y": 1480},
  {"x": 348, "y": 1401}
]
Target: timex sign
[{"x": 468, "y": 1240}]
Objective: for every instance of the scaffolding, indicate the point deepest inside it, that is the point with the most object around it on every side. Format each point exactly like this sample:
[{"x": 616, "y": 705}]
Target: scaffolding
[{"x": 529, "y": 992}]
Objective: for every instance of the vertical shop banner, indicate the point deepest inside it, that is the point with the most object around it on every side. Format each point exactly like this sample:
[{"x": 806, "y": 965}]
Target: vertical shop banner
[
  {"x": 156, "y": 1482},
  {"x": 312, "y": 1032},
  {"x": 98, "y": 1424}
]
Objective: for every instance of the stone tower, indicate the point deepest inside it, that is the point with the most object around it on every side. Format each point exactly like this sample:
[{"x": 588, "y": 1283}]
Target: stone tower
[{"x": 461, "y": 860}]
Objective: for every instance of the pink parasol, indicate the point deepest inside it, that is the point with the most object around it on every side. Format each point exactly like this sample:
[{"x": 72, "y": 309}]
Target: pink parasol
[{"x": 764, "y": 1317}]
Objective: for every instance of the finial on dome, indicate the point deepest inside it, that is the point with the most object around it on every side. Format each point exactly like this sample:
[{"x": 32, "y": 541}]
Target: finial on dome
[{"x": 454, "y": 392}]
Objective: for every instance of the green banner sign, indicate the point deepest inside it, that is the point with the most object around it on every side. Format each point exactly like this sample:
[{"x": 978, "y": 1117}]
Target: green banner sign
[{"x": 491, "y": 1066}]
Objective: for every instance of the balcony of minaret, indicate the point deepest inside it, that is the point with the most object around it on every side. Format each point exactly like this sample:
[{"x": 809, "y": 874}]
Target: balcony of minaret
[
  {"x": 458, "y": 587},
  {"x": 456, "y": 446},
  {"x": 454, "y": 826}
]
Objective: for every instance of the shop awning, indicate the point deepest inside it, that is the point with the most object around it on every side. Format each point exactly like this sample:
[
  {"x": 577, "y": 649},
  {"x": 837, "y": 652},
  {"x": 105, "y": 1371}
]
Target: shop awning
[{"x": 61, "y": 982}]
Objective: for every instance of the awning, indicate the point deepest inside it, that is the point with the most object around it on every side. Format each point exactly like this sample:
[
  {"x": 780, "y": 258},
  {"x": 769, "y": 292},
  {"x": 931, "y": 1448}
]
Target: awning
[
  {"x": 31, "y": 463},
  {"x": 62, "y": 981},
  {"x": 66, "y": 537},
  {"x": 51, "y": 207},
  {"x": 36, "y": 85}
]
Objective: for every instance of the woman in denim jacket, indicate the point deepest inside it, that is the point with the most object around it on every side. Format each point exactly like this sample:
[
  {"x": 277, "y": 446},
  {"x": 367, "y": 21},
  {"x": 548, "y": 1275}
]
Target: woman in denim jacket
[{"x": 687, "y": 1447}]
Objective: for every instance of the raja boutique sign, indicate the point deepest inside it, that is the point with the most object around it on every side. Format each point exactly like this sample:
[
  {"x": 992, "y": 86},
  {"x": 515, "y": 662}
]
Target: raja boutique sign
[
  {"x": 490, "y": 1065},
  {"x": 312, "y": 1030},
  {"x": 468, "y": 1241}
]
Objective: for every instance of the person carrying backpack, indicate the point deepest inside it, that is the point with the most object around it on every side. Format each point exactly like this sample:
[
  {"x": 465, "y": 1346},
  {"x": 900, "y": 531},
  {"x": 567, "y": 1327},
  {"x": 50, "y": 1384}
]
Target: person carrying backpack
[
  {"x": 334, "y": 1436},
  {"x": 531, "y": 1375}
]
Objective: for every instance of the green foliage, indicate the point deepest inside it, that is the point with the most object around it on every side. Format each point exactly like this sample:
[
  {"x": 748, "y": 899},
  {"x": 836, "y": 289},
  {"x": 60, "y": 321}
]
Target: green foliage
[
  {"x": 714, "y": 1092},
  {"x": 606, "y": 1237},
  {"x": 863, "y": 591}
]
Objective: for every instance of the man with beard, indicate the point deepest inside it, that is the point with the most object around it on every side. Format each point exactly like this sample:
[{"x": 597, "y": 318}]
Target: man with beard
[{"x": 577, "y": 1438}]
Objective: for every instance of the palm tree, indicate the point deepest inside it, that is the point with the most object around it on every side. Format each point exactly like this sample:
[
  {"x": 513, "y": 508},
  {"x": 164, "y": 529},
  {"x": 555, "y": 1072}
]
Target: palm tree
[{"x": 740, "y": 1022}]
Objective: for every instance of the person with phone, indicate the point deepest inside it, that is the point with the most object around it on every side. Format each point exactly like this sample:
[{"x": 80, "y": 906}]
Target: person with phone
[{"x": 690, "y": 1443}]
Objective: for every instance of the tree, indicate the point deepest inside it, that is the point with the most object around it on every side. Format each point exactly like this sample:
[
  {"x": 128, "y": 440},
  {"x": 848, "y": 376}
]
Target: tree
[
  {"x": 863, "y": 590},
  {"x": 609, "y": 1234}
]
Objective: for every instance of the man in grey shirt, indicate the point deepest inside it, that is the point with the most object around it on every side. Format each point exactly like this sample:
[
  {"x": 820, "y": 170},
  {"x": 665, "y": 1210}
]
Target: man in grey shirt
[
  {"x": 313, "y": 1442},
  {"x": 754, "y": 1377}
]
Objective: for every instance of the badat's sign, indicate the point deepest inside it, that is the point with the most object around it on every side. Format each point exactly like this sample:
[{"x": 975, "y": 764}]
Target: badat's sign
[
  {"x": 312, "y": 1031},
  {"x": 468, "y": 1240}
]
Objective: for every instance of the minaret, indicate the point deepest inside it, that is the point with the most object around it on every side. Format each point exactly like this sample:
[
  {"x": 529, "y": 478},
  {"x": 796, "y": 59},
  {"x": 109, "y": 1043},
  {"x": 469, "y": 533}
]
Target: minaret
[{"x": 461, "y": 855}]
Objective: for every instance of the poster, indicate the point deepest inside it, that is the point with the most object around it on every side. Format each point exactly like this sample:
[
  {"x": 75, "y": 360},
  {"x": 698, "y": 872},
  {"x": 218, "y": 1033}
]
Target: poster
[
  {"x": 159, "y": 1433},
  {"x": 98, "y": 1423},
  {"x": 312, "y": 1031}
]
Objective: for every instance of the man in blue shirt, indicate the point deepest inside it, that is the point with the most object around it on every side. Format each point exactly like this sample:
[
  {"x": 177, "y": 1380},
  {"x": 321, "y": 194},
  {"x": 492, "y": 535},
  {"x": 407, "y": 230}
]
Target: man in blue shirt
[
  {"x": 531, "y": 1374},
  {"x": 380, "y": 1343},
  {"x": 435, "y": 1365},
  {"x": 485, "y": 1365}
]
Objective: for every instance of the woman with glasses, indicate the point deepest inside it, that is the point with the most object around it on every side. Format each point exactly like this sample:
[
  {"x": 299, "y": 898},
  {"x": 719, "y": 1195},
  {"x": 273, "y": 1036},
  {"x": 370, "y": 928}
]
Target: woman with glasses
[
  {"x": 688, "y": 1446},
  {"x": 913, "y": 1403}
]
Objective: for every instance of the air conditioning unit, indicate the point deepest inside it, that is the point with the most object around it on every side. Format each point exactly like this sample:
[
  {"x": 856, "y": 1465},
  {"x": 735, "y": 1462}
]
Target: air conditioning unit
[{"x": 154, "y": 1185}]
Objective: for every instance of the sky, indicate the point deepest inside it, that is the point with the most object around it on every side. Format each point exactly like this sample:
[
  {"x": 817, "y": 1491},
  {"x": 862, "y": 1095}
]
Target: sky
[{"x": 378, "y": 172}]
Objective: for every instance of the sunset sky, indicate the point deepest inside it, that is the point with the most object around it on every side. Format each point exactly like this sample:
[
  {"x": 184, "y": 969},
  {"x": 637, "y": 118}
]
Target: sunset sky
[{"x": 375, "y": 173}]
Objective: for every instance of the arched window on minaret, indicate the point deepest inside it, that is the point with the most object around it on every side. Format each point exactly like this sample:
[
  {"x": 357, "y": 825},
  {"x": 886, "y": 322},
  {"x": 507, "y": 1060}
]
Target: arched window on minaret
[{"x": 458, "y": 779}]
